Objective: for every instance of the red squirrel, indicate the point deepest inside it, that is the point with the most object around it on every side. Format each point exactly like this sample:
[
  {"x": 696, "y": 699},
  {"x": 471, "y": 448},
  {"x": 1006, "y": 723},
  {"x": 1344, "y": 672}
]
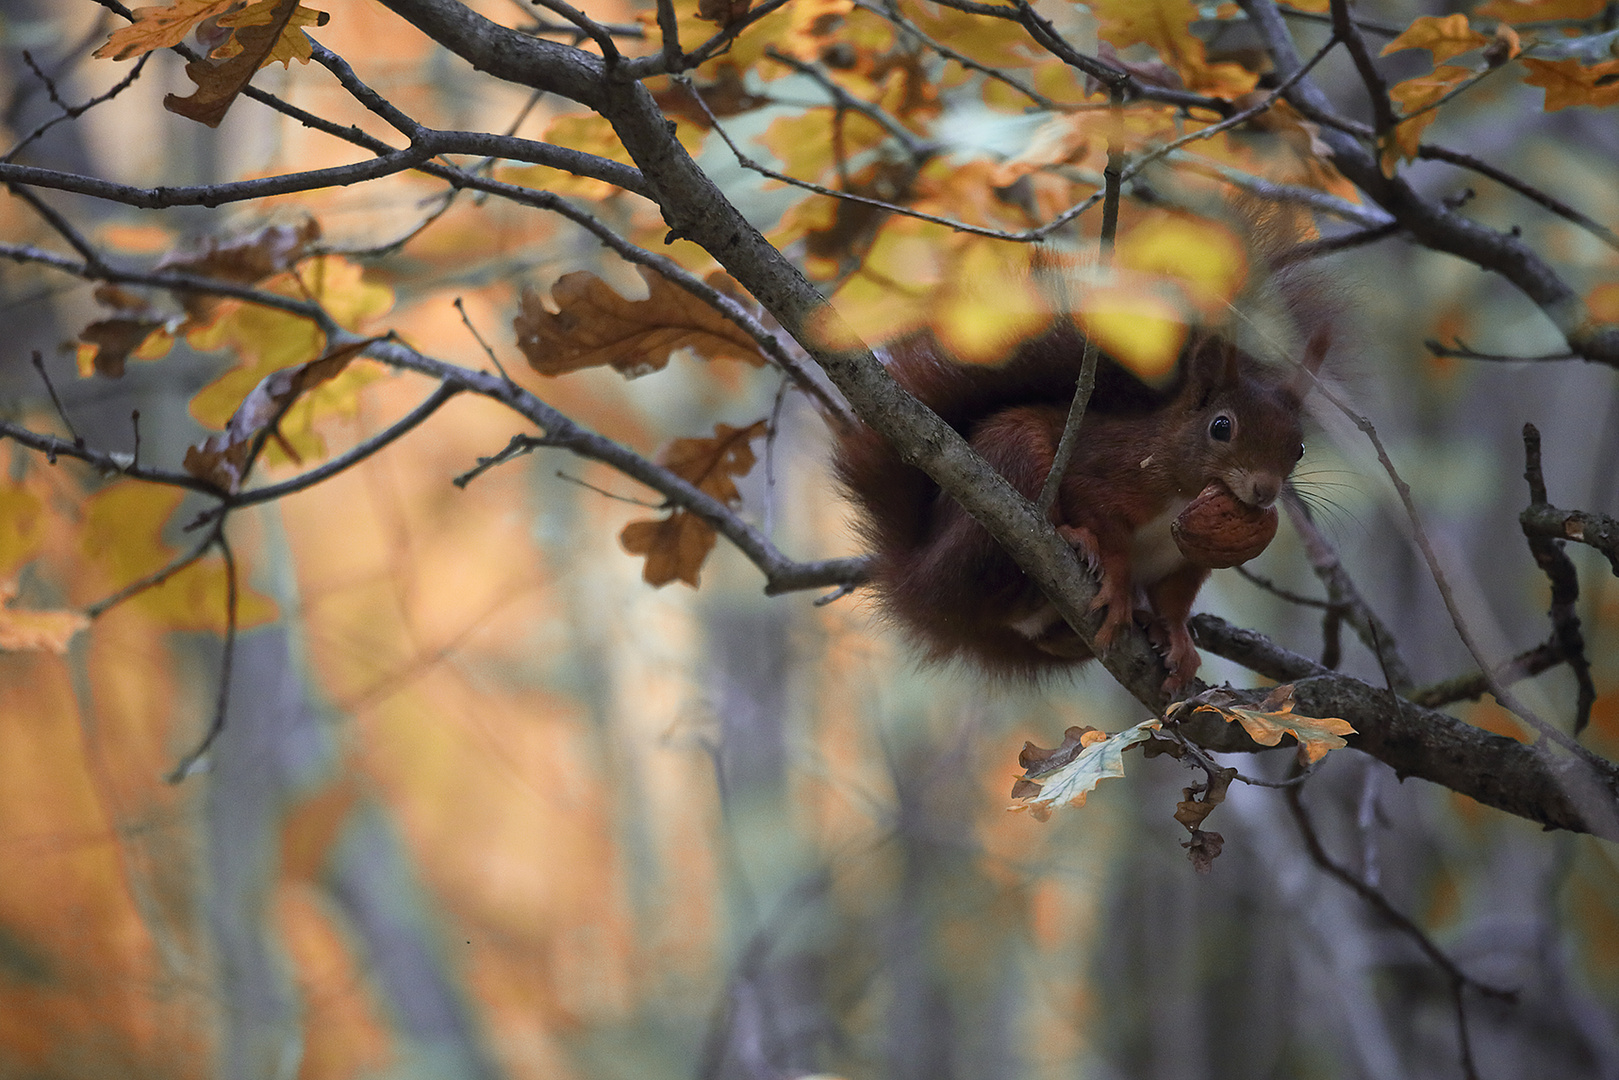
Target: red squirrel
[{"x": 1143, "y": 454}]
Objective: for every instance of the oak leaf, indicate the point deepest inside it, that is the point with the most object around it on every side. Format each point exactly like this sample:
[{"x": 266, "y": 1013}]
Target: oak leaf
[
  {"x": 22, "y": 527},
  {"x": 122, "y": 534},
  {"x": 1069, "y": 773},
  {"x": 1518, "y": 11},
  {"x": 675, "y": 547},
  {"x": 595, "y": 325},
  {"x": 106, "y": 344},
  {"x": 251, "y": 47},
  {"x": 242, "y": 260},
  {"x": 1165, "y": 26},
  {"x": 1444, "y": 37},
  {"x": 1203, "y": 848},
  {"x": 23, "y": 630},
  {"x": 222, "y": 459},
  {"x": 160, "y": 28},
  {"x": 1568, "y": 82},
  {"x": 1275, "y": 717},
  {"x": 1418, "y": 99}
]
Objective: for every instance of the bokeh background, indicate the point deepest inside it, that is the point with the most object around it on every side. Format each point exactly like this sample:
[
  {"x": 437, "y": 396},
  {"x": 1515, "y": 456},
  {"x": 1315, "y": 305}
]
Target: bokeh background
[{"x": 487, "y": 805}]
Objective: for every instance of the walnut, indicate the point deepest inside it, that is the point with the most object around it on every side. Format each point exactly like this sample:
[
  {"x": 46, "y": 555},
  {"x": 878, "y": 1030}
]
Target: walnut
[{"x": 1217, "y": 530}]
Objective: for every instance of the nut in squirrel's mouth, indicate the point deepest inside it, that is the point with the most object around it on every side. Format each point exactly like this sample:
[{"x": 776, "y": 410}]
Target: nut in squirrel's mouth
[{"x": 1219, "y": 530}]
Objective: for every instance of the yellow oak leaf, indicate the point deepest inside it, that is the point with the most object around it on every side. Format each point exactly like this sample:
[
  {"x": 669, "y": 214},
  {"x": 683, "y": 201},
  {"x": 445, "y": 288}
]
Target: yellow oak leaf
[
  {"x": 1568, "y": 82},
  {"x": 291, "y": 45},
  {"x": 122, "y": 536},
  {"x": 1141, "y": 330},
  {"x": 1165, "y": 26},
  {"x": 1417, "y": 98},
  {"x": 24, "y": 630},
  {"x": 160, "y": 28},
  {"x": 1445, "y": 37},
  {"x": 251, "y": 47},
  {"x": 1519, "y": 11},
  {"x": 1275, "y": 718},
  {"x": 1205, "y": 258},
  {"x": 594, "y": 325},
  {"x": 22, "y": 527}
]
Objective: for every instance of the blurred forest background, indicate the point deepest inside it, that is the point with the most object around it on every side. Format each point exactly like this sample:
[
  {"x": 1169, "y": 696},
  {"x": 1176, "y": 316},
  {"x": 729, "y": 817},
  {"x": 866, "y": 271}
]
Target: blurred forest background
[{"x": 488, "y": 805}]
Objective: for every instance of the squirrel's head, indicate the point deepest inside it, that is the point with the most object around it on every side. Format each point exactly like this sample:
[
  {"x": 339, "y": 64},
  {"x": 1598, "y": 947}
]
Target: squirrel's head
[{"x": 1244, "y": 425}]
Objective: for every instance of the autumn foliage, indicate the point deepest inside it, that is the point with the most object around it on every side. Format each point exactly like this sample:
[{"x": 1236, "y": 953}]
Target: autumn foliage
[{"x": 398, "y": 421}]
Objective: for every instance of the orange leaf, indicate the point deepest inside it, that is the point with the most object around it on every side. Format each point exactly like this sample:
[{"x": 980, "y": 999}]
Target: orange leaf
[
  {"x": 709, "y": 463},
  {"x": 1603, "y": 301},
  {"x": 22, "y": 527},
  {"x": 1416, "y": 98},
  {"x": 1165, "y": 25},
  {"x": 1444, "y": 37},
  {"x": 675, "y": 547},
  {"x": 1275, "y": 717},
  {"x": 108, "y": 343},
  {"x": 594, "y": 325},
  {"x": 23, "y": 630},
  {"x": 1568, "y": 82},
  {"x": 1519, "y": 11},
  {"x": 256, "y": 45},
  {"x": 160, "y": 28}
]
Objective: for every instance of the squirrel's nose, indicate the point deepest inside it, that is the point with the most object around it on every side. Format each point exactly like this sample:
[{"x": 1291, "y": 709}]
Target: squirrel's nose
[{"x": 1263, "y": 490}]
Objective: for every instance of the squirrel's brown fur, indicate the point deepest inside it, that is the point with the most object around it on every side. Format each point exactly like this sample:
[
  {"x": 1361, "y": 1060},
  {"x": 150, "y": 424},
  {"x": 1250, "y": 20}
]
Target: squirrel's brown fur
[{"x": 1142, "y": 454}]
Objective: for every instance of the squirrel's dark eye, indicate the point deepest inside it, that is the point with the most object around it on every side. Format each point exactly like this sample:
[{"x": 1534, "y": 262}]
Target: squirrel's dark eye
[
  {"x": 1220, "y": 428},
  {"x": 1301, "y": 450}
]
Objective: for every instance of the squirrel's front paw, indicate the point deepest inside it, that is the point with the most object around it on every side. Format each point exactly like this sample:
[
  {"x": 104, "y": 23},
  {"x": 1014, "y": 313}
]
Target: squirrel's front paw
[{"x": 1180, "y": 655}]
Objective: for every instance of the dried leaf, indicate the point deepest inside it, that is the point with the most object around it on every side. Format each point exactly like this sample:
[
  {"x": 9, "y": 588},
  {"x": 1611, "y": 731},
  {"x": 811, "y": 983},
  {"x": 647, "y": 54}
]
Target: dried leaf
[
  {"x": 24, "y": 630},
  {"x": 1203, "y": 848},
  {"x": 291, "y": 45},
  {"x": 242, "y": 260},
  {"x": 724, "y": 12},
  {"x": 1519, "y": 11},
  {"x": 1275, "y": 717},
  {"x": 1068, "y": 774},
  {"x": 594, "y": 326},
  {"x": 222, "y": 459},
  {"x": 726, "y": 96},
  {"x": 676, "y": 546},
  {"x": 253, "y": 46},
  {"x": 108, "y": 343},
  {"x": 1568, "y": 82},
  {"x": 1445, "y": 37},
  {"x": 160, "y": 28}
]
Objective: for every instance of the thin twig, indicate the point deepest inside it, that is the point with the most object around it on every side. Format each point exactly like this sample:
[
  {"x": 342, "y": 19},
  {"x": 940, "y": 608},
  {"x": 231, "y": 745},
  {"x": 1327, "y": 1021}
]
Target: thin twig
[
  {"x": 50, "y": 388},
  {"x": 1113, "y": 177},
  {"x": 197, "y": 759},
  {"x": 473, "y": 330}
]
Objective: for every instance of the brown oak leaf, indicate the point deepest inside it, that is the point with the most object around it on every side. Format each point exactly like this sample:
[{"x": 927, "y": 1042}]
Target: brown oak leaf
[
  {"x": 676, "y": 546},
  {"x": 250, "y": 48},
  {"x": 594, "y": 326},
  {"x": 222, "y": 459}
]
